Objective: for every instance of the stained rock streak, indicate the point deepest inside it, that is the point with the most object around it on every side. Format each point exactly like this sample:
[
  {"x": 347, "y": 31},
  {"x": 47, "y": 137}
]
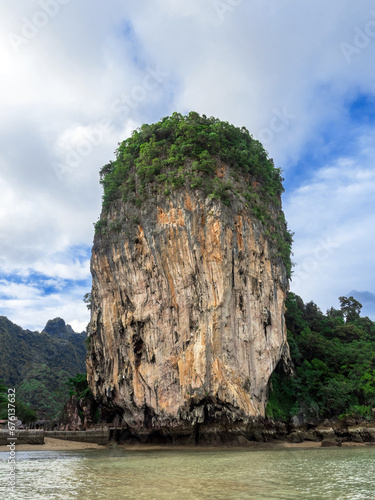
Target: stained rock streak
[{"x": 187, "y": 318}]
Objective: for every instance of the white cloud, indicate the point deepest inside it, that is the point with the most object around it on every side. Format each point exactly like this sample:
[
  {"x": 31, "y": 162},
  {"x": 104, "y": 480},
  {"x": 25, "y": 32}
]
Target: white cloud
[
  {"x": 249, "y": 65},
  {"x": 260, "y": 59},
  {"x": 27, "y": 305},
  {"x": 19, "y": 291},
  {"x": 332, "y": 216}
]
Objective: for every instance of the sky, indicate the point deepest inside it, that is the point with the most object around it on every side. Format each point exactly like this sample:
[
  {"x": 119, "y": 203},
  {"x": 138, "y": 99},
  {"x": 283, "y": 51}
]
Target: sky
[{"x": 77, "y": 76}]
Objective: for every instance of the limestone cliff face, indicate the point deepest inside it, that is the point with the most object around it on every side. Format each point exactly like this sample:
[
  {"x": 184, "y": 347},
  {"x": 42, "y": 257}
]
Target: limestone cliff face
[{"x": 187, "y": 312}]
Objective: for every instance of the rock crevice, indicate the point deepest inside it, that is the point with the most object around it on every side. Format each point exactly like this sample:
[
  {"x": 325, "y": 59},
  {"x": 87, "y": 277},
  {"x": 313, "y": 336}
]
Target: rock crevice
[{"x": 187, "y": 318}]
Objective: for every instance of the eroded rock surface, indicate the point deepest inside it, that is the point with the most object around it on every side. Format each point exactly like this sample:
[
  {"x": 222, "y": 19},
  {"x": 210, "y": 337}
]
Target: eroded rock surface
[{"x": 187, "y": 314}]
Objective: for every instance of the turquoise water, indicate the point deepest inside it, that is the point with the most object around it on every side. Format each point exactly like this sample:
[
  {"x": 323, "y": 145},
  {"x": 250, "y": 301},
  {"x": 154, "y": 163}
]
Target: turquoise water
[{"x": 321, "y": 473}]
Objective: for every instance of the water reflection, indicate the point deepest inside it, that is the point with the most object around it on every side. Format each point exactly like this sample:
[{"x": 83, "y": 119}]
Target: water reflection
[{"x": 305, "y": 474}]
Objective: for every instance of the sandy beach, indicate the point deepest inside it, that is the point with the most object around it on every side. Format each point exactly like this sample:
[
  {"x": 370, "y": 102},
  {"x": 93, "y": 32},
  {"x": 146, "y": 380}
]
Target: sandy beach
[
  {"x": 318, "y": 444},
  {"x": 272, "y": 445},
  {"x": 56, "y": 445},
  {"x": 52, "y": 444}
]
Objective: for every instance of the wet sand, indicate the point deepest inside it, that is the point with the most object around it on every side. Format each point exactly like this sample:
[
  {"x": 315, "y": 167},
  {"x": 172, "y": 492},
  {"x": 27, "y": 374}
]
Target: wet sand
[
  {"x": 304, "y": 444},
  {"x": 56, "y": 445},
  {"x": 254, "y": 445},
  {"x": 52, "y": 444},
  {"x": 318, "y": 444}
]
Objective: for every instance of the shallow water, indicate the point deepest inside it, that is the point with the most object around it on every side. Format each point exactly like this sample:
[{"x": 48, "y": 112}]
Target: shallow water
[{"x": 321, "y": 473}]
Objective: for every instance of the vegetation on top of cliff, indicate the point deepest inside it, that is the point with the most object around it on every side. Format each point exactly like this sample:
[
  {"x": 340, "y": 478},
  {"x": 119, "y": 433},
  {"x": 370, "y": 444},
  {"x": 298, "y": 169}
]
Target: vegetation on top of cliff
[
  {"x": 334, "y": 357},
  {"x": 161, "y": 153},
  {"x": 188, "y": 152}
]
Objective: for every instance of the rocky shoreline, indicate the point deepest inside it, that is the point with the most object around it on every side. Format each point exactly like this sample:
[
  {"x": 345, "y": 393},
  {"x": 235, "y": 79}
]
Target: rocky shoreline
[
  {"x": 335, "y": 435},
  {"x": 258, "y": 430},
  {"x": 253, "y": 432}
]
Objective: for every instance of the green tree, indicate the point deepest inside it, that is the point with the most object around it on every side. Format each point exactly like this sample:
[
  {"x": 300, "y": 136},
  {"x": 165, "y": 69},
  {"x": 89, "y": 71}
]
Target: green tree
[
  {"x": 334, "y": 363},
  {"x": 350, "y": 308},
  {"x": 25, "y": 413},
  {"x": 3, "y": 393},
  {"x": 188, "y": 152},
  {"x": 78, "y": 385},
  {"x": 3, "y": 401},
  {"x": 87, "y": 299}
]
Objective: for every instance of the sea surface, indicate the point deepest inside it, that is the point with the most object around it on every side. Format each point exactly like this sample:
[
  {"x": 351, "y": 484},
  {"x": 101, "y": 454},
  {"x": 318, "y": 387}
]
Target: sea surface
[{"x": 318, "y": 473}]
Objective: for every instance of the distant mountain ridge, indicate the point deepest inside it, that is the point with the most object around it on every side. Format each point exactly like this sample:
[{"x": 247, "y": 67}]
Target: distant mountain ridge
[
  {"x": 38, "y": 364},
  {"x": 58, "y": 328}
]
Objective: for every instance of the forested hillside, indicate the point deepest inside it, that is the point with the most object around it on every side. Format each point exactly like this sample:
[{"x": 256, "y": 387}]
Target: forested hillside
[
  {"x": 334, "y": 358},
  {"x": 39, "y": 364}
]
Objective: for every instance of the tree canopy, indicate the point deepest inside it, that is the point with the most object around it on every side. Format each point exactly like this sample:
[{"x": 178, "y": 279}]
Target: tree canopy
[
  {"x": 350, "y": 308},
  {"x": 334, "y": 359},
  {"x": 186, "y": 152},
  {"x": 185, "y": 148}
]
